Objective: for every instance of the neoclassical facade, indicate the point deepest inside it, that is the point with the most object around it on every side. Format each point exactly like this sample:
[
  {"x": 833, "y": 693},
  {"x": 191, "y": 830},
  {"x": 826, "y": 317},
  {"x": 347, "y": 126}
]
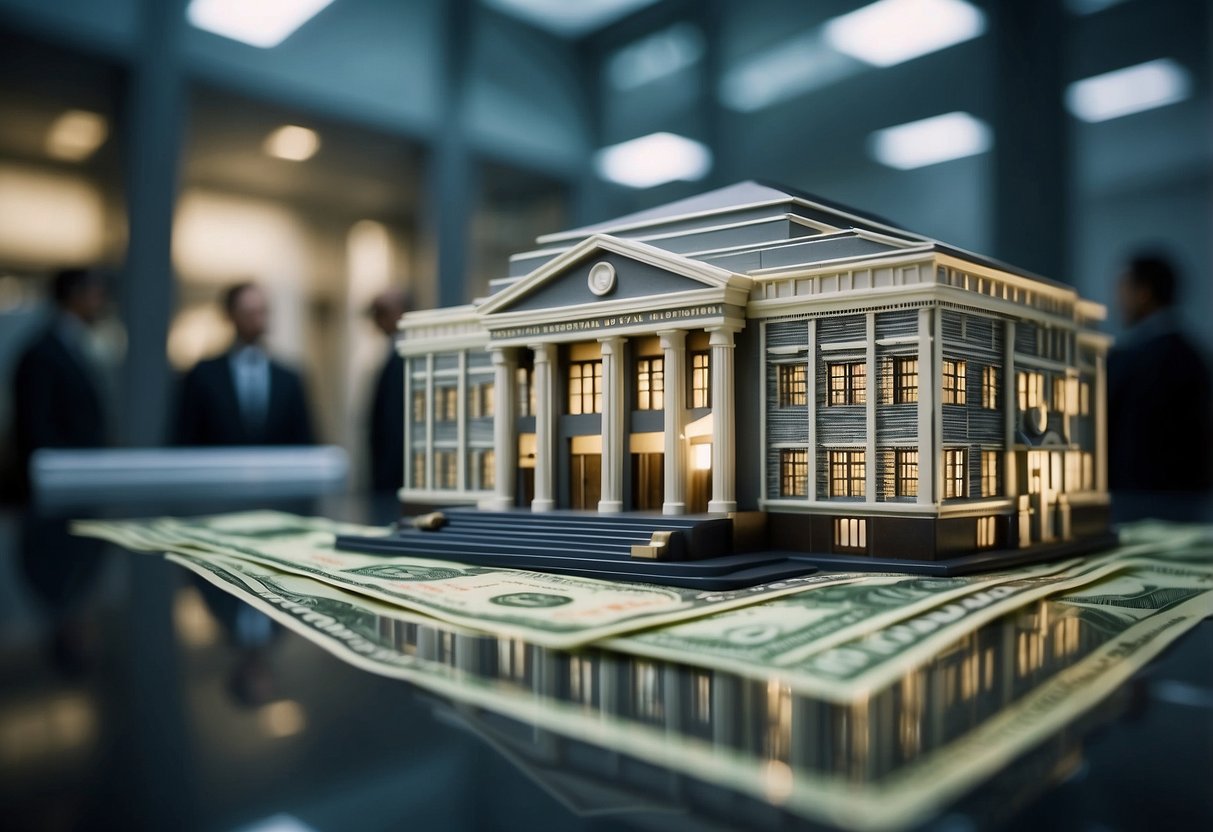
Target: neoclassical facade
[{"x": 855, "y": 387}]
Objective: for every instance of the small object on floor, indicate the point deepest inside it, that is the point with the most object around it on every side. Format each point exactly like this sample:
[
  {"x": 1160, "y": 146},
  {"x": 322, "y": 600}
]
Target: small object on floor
[{"x": 431, "y": 522}]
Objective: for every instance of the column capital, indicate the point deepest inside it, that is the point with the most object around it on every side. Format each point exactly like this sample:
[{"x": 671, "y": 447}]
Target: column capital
[
  {"x": 672, "y": 339},
  {"x": 721, "y": 336},
  {"x": 503, "y": 355},
  {"x": 611, "y": 344},
  {"x": 544, "y": 353}
]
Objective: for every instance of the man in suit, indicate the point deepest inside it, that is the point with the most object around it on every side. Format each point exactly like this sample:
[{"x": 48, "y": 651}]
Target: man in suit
[
  {"x": 386, "y": 429},
  {"x": 244, "y": 397},
  {"x": 1160, "y": 404},
  {"x": 56, "y": 400}
]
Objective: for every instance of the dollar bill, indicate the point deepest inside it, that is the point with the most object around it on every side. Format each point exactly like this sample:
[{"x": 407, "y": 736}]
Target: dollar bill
[
  {"x": 1137, "y": 612},
  {"x": 545, "y": 609}
]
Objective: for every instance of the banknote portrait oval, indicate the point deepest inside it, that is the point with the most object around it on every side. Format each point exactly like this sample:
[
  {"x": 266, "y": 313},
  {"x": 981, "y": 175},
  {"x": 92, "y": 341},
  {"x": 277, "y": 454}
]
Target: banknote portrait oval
[
  {"x": 531, "y": 600},
  {"x": 400, "y": 572}
]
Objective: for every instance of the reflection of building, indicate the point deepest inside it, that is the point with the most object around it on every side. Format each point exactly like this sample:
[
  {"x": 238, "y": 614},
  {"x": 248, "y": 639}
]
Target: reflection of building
[{"x": 871, "y": 390}]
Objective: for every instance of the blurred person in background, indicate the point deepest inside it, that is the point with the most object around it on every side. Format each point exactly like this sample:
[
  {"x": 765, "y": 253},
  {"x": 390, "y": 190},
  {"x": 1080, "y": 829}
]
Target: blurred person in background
[
  {"x": 385, "y": 431},
  {"x": 244, "y": 397},
  {"x": 1160, "y": 403},
  {"x": 58, "y": 403},
  {"x": 57, "y": 396}
]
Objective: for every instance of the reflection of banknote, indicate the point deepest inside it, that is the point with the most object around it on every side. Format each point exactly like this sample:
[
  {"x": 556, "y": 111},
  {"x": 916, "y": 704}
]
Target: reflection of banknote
[
  {"x": 551, "y": 610},
  {"x": 1136, "y": 613}
]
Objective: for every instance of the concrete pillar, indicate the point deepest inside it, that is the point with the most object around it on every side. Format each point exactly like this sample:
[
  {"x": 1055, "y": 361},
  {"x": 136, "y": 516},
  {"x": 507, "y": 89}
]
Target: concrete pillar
[
  {"x": 724, "y": 434},
  {"x": 673, "y": 345},
  {"x": 505, "y": 438},
  {"x": 545, "y": 427},
  {"x": 614, "y": 451}
]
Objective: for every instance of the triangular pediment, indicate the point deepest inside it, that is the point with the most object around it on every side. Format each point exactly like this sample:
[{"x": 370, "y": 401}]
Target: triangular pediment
[{"x": 604, "y": 272}]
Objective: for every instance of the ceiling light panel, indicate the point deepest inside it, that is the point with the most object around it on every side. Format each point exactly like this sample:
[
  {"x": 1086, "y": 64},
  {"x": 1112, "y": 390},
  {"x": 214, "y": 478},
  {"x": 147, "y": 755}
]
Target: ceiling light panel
[
  {"x": 75, "y": 135},
  {"x": 1133, "y": 89},
  {"x": 654, "y": 160},
  {"x": 892, "y": 31},
  {"x": 291, "y": 142},
  {"x": 930, "y": 141},
  {"x": 262, "y": 23}
]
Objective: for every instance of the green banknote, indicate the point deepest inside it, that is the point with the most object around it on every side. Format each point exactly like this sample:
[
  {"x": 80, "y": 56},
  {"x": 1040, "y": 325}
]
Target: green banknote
[{"x": 545, "y": 609}]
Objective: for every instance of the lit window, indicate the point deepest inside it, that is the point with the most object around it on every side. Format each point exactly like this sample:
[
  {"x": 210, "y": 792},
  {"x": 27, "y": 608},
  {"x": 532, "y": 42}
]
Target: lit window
[
  {"x": 524, "y": 378},
  {"x": 1088, "y": 471},
  {"x": 1084, "y": 398},
  {"x": 585, "y": 387},
  {"x": 650, "y": 383},
  {"x": 989, "y": 473},
  {"x": 445, "y": 471},
  {"x": 905, "y": 380},
  {"x": 418, "y": 406},
  {"x": 989, "y": 387},
  {"x": 481, "y": 400},
  {"x": 481, "y": 470},
  {"x": 793, "y": 385},
  {"x": 701, "y": 379},
  {"x": 1030, "y": 387},
  {"x": 985, "y": 532},
  {"x": 847, "y": 473},
  {"x": 1060, "y": 400},
  {"x": 446, "y": 404},
  {"x": 417, "y": 474},
  {"x": 953, "y": 473},
  {"x": 906, "y": 463},
  {"x": 953, "y": 382},
  {"x": 848, "y": 383},
  {"x": 850, "y": 533},
  {"x": 794, "y": 473}
]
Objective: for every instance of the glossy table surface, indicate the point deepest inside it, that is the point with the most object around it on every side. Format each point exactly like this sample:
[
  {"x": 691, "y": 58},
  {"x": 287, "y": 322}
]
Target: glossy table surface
[{"x": 128, "y": 702}]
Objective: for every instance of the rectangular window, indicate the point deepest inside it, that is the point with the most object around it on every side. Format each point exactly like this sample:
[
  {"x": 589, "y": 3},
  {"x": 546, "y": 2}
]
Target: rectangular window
[
  {"x": 848, "y": 383},
  {"x": 847, "y": 473},
  {"x": 1060, "y": 399},
  {"x": 793, "y": 472},
  {"x": 481, "y": 471},
  {"x": 524, "y": 377},
  {"x": 850, "y": 533},
  {"x": 1088, "y": 471},
  {"x": 701, "y": 379},
  {"x": 417, "y": 474},
  {"x": 989, "y": 387},
  {"x": 989, "y": 473},
  {"x": 905, "y": 461},
  {"x": 793, "y": 385},
  {"x": 650, "y": 383},
  {"x": 446, "y": 404},
  {"x": 445, "y": 470},
  {"x": 953, "y": 473},
  {"x": 585, "y": 387},
  {"x": 481, "y": 400},
  {"x": 953, "y": 381},
  {"x": 1084, "y": 398},
  {"x": 1030, "y": 387},
  {"x": 905, "y": 380},
  {"x": 985, "y": 532},
  {"x": 418, "y": 406}
]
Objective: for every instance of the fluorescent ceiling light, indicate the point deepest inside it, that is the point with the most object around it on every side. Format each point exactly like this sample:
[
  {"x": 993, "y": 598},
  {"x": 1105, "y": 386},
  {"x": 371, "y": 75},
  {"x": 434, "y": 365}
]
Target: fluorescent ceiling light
[
  {"x": 654, "y": 160},
  {"x": 1085, "y": 7},
  {"x": 794, "y": 67},
  {"x": 1129, "y": 90},
  {"x": 568, "y": 18},
  {"x": 656, "y": 56},
  {"x": 76, "y": 135},
  {"x": 891, "y": 31},
  {"x": 930, "y": 141},
  {"x": 263, "y": 23},
  {"x": 291, "y": 142}
]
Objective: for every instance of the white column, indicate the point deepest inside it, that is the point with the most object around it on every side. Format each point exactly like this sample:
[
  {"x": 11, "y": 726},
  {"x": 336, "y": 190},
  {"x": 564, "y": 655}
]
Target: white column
[
  {"x": 461, "y": 424},
  {"x": 545, "y": 427},
  {"x": 429, "y": 422},
  {"x": 811, "y": 385},
  {"x": 408, "y": 427},
  {"x": 505, "y": 438},
  {"x": 613, "y": 449},
  {"x": 724, "y": 435},
  {"x": 927, "y": 450},
  {"x": 1010, "y": 413},
  {"x": 1099, "y": 397},
  {"x": 673, "y": 345}
]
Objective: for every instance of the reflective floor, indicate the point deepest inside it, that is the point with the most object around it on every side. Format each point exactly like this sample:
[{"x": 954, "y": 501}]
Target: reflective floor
[{"x": 131, "y": 698}]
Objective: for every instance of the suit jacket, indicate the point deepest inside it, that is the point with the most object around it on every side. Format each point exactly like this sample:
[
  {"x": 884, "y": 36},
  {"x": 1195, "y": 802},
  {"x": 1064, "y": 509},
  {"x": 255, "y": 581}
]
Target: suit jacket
[
  {"x": 209, "y": 411},
  {"x": 386, "y": 433},
  {"x": 56, "y": 403}
]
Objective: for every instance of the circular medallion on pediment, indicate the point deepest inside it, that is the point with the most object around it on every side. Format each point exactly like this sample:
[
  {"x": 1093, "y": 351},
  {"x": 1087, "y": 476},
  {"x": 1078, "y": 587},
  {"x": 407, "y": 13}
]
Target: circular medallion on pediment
[{"x": 602, "y": 278}]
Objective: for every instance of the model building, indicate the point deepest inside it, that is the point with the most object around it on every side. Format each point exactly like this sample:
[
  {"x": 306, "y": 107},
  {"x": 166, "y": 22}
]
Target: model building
[{"x": 834, "y": 383}]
